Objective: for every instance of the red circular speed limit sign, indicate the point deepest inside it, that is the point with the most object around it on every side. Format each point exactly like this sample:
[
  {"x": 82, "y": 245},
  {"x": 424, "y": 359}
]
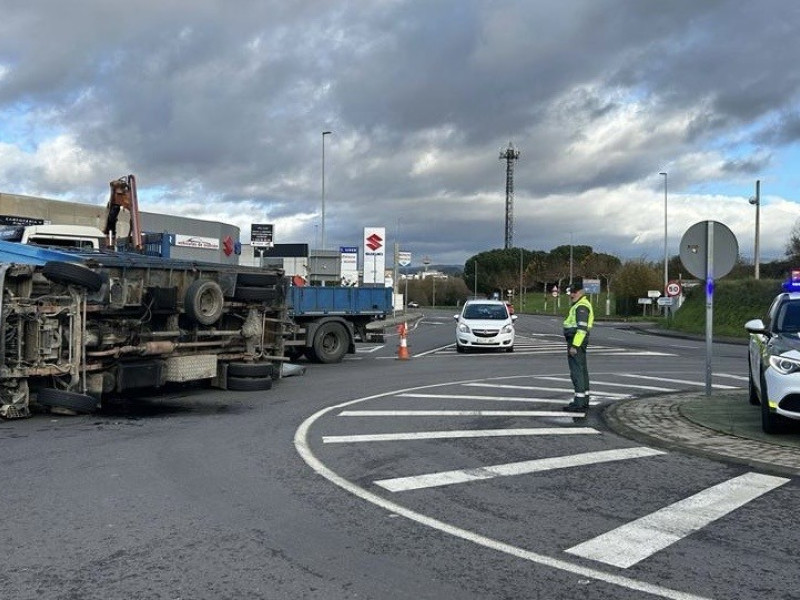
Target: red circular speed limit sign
[{"x": 673, "y": 289}]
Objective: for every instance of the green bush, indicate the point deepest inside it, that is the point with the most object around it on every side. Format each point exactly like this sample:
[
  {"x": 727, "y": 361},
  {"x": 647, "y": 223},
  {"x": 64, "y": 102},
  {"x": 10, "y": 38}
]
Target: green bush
[{"x": 735, "y": 302}]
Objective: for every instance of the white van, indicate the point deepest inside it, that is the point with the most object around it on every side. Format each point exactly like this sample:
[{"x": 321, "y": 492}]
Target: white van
[{"x": 69, "y": 236}]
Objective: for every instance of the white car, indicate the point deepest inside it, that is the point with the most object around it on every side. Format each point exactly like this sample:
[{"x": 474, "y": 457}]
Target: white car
[
  {"x": 485, "y": 324},
  {"x": 774, "y": 362}
]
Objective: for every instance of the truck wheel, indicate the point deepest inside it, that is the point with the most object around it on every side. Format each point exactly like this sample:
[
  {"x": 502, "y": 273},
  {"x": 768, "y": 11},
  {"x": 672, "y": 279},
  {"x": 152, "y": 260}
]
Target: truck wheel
[
  {"x": 65, "y": 400},
  {"x": 255, "y": 293},
  {"x": 204, "y": 301},
  {"x": 72, "y": 274},
  {"x": 330, "y": 342},
  {"x": 257, "y": 279},
  {"x": 247, "y": 369},
  {"x": 249, "y": 384}
]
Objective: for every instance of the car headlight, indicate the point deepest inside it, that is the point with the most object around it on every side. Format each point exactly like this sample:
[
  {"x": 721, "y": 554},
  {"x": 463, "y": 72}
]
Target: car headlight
[
  {"x": 462, "y": 328},
  {"x": 508, "y": 328},
  {"x": 783, "y": 365}
]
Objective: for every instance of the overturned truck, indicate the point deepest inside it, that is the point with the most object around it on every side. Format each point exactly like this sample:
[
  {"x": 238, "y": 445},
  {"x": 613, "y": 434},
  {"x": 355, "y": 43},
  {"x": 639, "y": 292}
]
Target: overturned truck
[{"x": 80, "y": 326}]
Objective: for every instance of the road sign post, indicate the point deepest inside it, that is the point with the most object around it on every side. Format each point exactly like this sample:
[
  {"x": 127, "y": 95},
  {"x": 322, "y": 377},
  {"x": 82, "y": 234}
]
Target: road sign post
[{"x": 708, "y": 251}]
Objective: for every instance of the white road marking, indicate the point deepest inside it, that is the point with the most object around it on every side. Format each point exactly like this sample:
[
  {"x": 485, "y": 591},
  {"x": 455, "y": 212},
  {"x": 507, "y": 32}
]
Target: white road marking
[
  {"x": 453, "y": 413},
  {"x": 416, "y": 482},
  {"x": 302, "y": 447},
  {"x": 625, "y": 385},
  {"x": 491, "y": 398},
  {"x": 633, "y": 542},
  {"x": 442, "y": 435},
  {"x": 368, "y": 350},
  {"x": 731, "y": 376},
  {"x": 545, "y": 389},
  {"x": 718, "y": 386}
]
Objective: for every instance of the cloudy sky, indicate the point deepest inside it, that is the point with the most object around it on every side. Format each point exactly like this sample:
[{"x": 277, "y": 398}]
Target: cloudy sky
[{"x": 218, "y": 108}]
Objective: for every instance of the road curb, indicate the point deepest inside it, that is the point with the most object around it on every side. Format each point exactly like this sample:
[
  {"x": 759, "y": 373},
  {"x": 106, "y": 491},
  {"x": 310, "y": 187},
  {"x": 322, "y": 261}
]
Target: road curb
[{"x": 659, "y": 421}]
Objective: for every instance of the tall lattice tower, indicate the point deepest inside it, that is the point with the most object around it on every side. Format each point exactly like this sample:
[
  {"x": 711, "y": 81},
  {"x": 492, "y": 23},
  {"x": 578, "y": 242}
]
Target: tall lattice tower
[{"x": 510, "y": 154}]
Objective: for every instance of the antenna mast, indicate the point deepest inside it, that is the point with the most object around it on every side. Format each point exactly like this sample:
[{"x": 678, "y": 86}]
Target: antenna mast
[{"x": 510, "y": 154}]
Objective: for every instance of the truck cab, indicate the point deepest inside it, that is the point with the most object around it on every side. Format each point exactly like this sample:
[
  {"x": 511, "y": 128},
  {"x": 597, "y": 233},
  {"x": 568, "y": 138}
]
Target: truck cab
[{"x": 62, "y": 236}]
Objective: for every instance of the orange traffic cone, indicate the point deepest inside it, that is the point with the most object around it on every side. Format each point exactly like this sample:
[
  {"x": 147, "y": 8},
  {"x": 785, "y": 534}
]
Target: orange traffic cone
[{"x": 402, "y": 349}]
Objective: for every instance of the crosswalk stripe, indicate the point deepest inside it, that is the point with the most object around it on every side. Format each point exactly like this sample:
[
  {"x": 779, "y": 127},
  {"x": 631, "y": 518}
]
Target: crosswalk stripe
[
  {"x": 466, "y": 433},
  {"x": 485, "y": 398},
  {"x": 718, "y": 386},
  {"x": 608, "y": 383},
  {"x": 402, "y": 484},
  {"x": 633, "y": 542},
  {"x": 452, "y": 413},
  {"x": 545, "y": 389}
]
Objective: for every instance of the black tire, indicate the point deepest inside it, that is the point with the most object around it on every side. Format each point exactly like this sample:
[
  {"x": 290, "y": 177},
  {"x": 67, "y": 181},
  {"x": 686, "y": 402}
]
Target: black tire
[
  {"x": 257, "y": 293},
  {"x": 257, "y": 279},
  {"x": 460, "y": 349},
  {"x": 330, "y": 342},
  {"x": 204, "y": 301},
  {"x": 752, "y": 393},
  {"x": 770, "y": 422},
  {"x": 510, "y": 349},
  {"x": 74, "y": 401},
  {"x": 72, "y": 274},
  {"x": 249, "y": 384},
  {"x": 293, "y": 352},
  {"x": 250, "y": 369}
]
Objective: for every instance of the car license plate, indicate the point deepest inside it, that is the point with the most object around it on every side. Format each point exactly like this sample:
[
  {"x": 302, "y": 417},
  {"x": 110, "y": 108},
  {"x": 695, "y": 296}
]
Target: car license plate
[{"x": 484, "y": 341}]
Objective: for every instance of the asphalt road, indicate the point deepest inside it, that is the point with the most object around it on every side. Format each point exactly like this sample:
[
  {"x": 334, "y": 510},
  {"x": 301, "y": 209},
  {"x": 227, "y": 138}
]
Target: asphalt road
[{"x": 444, "y": 476}]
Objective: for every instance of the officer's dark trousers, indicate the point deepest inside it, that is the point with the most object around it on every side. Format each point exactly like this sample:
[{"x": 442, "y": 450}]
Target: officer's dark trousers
[{"x": 579, "y": 373}]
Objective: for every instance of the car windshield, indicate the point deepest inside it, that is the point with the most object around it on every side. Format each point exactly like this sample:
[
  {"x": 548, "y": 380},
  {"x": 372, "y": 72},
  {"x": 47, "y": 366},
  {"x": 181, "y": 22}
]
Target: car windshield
[
  {"x": 788, "y": 319},
  {"x": 490, "y": 312}
]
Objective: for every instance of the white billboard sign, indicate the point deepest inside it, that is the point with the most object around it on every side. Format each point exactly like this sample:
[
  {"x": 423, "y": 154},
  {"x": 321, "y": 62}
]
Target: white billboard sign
[
  {"x": 349, "y": 265},
  {"x": 196, "y": 241},
  {"x": 374, "y": 255}
]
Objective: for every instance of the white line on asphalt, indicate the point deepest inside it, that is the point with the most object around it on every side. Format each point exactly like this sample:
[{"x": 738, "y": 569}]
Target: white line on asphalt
[
  {"x": 443, "y": 435},
  {"x": 302, "y": 446},
  {"x": 416, "y": 482},
  {"x": 627, "y": 545},
  {"x": 453, "y": 413},
  {"x": 491, "y": 398},
  {"x": 718, "y": 386},
  {"x": 364, "y": 350},
  {"x": 545, "y": 389},
  {"x": 625, "y": 385},
  {"x": 731, "y": 376}
]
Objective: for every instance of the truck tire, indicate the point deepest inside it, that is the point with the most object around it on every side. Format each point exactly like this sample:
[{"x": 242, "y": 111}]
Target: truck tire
[
  {"x": 63, "y": 399},
  {"x": 257, "y": 279},
  {"x": 256, "y": 293},
  {"x": 72, "y": 274},
  {"x": 330, "y": 342},
  {"x": 250, "y": 369},
  {"x": 249, "y": 384},
  {"x": 204, "y": 301}
]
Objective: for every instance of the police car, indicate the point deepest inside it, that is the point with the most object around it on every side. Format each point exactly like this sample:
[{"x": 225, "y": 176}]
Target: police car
[{"x": 774, "y": 361}]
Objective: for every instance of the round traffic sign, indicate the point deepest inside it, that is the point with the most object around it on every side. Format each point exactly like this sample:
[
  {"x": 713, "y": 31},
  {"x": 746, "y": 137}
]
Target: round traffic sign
[{"x": 673, "y": 289}]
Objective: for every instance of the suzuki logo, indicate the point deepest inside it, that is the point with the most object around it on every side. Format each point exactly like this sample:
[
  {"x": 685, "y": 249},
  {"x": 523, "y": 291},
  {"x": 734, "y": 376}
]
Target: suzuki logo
[
  {"x": 374, "y": 242},
  {"x": 228, "y": 246}
]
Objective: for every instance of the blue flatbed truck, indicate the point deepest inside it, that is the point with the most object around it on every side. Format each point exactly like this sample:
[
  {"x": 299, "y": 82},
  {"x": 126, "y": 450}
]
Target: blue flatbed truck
[
  {"x": 325, "y": 322},
  {"x": 79, "y": 326}
]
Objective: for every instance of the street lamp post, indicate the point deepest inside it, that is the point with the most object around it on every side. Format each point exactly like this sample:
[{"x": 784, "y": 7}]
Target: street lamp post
[
  {"x": 324, "y": 133},
  {"x": 757, "y": 201},
  {"x": 666, "y": 257}
]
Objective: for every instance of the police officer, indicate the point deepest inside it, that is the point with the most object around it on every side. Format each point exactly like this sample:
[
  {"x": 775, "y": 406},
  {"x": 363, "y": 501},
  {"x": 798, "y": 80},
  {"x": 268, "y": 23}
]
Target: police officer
[{"x": 576, "y": 330}]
